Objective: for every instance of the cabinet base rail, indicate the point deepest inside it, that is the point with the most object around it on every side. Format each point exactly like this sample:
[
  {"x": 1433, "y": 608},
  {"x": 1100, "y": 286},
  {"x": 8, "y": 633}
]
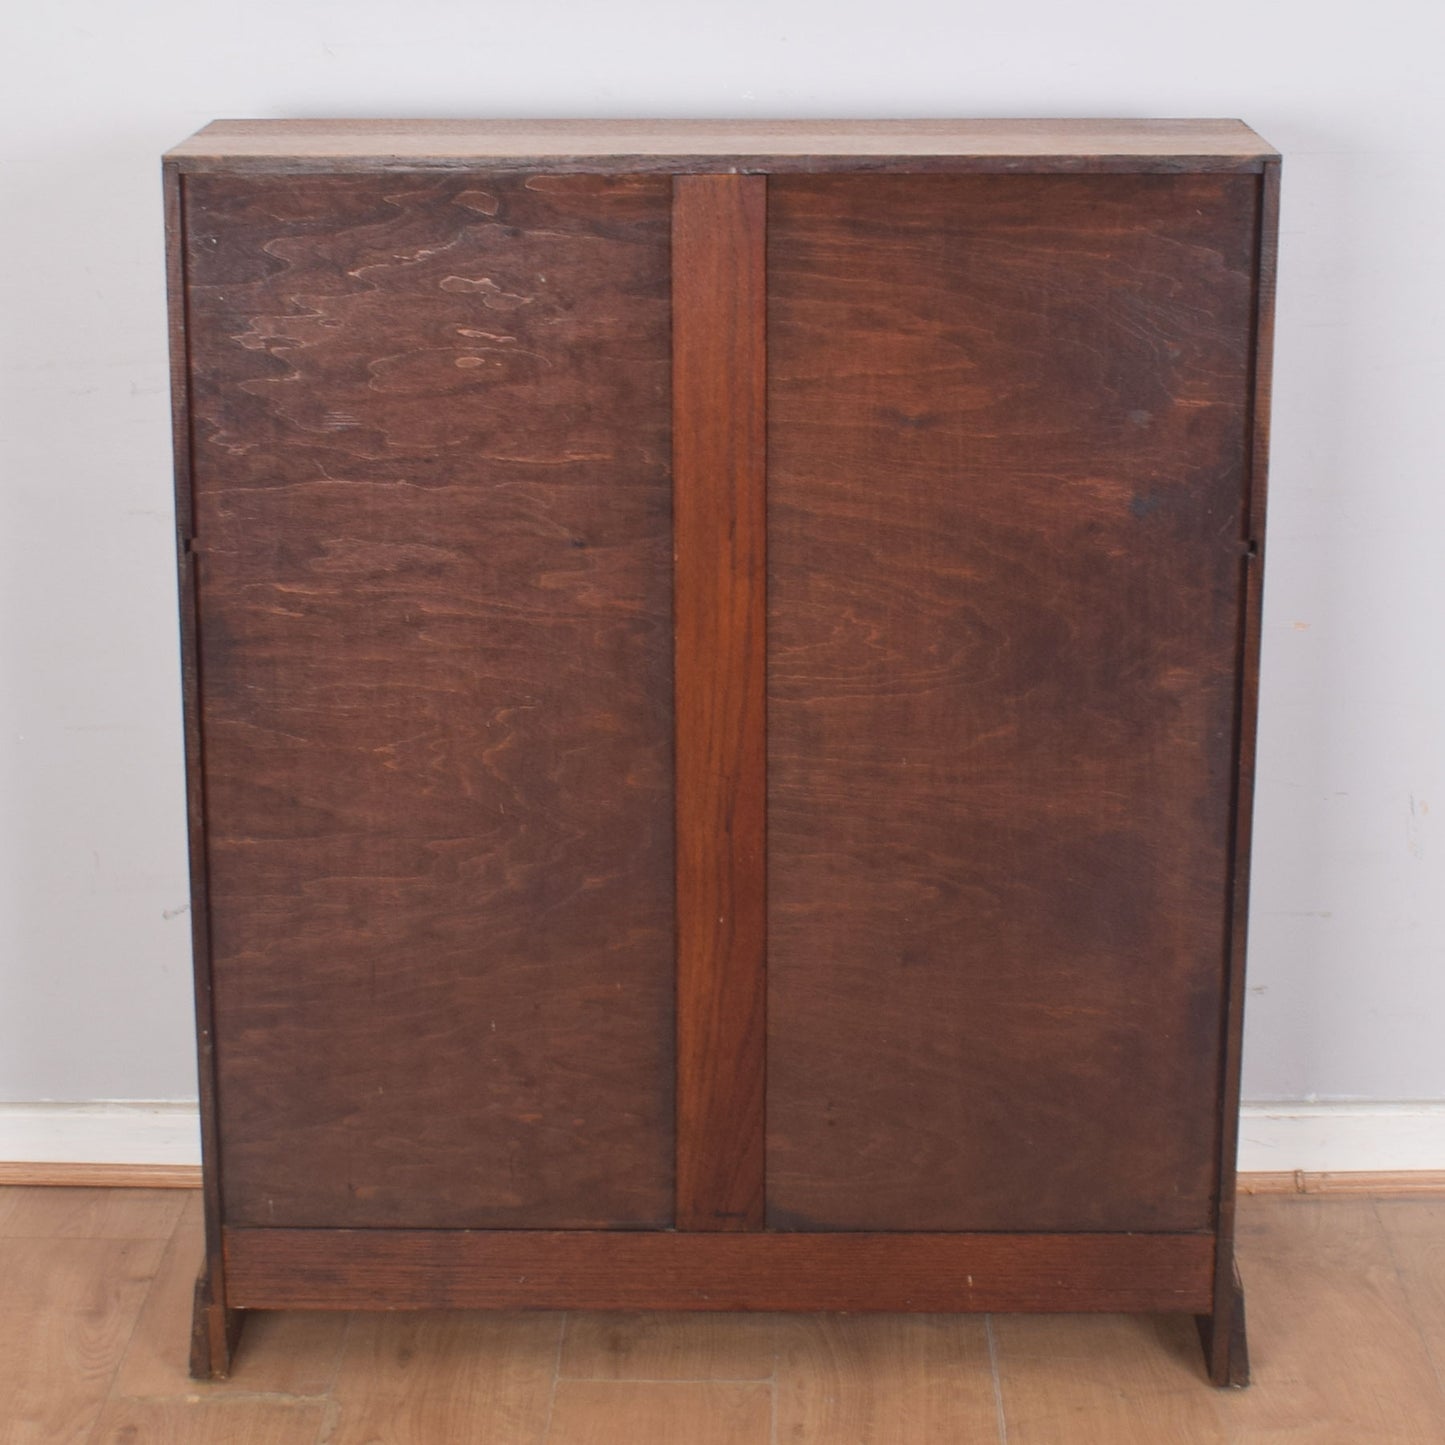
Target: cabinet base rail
[
  {"x": 635, "y": 1270},
  {"x": 396, "y": 1269}
]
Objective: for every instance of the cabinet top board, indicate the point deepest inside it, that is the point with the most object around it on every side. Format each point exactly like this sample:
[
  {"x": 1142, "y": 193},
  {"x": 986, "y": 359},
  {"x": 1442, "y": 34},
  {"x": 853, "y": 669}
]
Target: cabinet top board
[{"x": 723, "y": 145}]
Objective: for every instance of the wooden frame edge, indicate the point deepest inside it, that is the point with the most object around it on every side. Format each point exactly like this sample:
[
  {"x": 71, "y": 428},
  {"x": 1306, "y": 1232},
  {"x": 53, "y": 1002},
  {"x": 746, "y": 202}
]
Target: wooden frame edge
[
  {"x": 740, "y": 164},
  {"x": 187, "y": 596},
  {"x": 82, "y": 1175},
  {"x": 1224, "y": 1341},
  {"x": 716, "y": 1270},
  {"x": 1416, "y": 1183}
]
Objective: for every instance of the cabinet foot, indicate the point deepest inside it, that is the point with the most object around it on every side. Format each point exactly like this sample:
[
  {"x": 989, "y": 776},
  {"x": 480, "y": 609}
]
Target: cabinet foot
[
  {"x": 1226, "y": 1346},
  {"x": 215, "y": 1332}
]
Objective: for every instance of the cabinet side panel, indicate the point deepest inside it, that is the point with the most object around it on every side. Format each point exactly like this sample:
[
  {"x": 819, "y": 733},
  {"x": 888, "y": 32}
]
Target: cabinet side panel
[
  {"x": 1007, "y": 467},
  {"x": 432, "y": 492},
  {"x": 175, "y": 212},
  {"x": 1225, "y": 1331}
]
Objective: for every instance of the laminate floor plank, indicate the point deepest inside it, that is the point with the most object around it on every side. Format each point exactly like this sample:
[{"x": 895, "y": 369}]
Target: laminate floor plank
[
  {"x": 884, "y": 1380},
  {"x": 281, "y": 1353},
  {"x": 245, "y": 1420},
  {"x": 70, "y": 1306},
  {"x": 1415, "y": 1231},
  {"x": 673, "y": 1412},
  {"x": 1336, "y": 1354},
  {"x": 446, "y": 1379},
  {"x": 45, "y": 1212},
  {"x": 663, "y": 1346},
  {"x": 1105, "y": 1380}
]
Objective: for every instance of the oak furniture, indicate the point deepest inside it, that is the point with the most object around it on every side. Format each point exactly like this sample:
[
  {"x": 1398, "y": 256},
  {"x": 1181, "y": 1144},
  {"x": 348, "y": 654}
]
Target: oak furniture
[{"x": 720, "y": 667}]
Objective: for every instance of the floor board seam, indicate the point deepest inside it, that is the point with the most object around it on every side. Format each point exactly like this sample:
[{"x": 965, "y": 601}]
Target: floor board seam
[
  {"x": 546, "y": 1434},
  {"x": 1000, "y": 1418},
  {"x": 773, "y": 1388},
  {"x": 1408, "y": 1294},
  {"x": 331, "y": 1420},
  {"x": 665, "y": 1379},
  {"x": 110, "y": 1397}
]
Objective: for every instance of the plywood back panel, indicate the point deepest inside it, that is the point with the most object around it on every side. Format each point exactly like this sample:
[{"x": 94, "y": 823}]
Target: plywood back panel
[
  {"x": 432, "y": 509},
  {"x": 1007, "y": 469}
]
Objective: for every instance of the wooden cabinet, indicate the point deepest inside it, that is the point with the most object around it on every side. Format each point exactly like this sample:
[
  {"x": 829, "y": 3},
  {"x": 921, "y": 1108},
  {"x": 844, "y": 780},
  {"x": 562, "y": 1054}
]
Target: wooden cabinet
[{"x": 720, "y": 669}]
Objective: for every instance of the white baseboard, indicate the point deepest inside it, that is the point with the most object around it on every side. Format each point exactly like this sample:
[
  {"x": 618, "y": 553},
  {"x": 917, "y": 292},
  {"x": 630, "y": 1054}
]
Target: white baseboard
[
  {"x": 1273, "y": 1138},
  {"x": 1342, "y": 1138},
  {"x": 146, "y": 1132}
]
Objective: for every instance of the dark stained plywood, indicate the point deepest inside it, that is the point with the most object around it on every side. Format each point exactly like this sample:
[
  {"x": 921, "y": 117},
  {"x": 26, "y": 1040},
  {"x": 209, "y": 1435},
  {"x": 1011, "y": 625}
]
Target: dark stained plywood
[
  {"x": 719, "y": 513},
  {"x": 432, "y": 508},
  {"x": 1007, "y": 470}
]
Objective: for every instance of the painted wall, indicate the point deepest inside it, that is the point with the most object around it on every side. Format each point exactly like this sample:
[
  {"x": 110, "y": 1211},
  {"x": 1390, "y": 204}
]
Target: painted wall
[{"x": 1348, "y": 925}]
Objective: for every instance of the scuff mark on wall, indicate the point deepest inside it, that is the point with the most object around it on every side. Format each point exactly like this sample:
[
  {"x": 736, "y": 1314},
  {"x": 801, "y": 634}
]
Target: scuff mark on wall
[{"x": 1414, "y": 826}]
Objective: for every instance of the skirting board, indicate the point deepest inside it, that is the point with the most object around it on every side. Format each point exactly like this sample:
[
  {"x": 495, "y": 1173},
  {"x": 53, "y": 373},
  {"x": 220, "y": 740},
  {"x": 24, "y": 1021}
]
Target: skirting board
[
  {"x": 102, "y": 1133},
  {"x": 99, "y": 1142},
  {"x": 1373, "y": 1138}
]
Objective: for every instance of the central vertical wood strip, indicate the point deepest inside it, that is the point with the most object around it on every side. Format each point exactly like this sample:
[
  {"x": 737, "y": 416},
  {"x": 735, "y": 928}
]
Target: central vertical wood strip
[{"x": 719, "y": 400}]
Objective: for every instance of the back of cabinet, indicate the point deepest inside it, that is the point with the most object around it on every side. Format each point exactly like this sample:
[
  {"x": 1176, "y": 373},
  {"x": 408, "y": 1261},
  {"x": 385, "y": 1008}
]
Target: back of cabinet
[
  {"x": 1007, "y": 527},
  {"x": 431, "y": 489}
]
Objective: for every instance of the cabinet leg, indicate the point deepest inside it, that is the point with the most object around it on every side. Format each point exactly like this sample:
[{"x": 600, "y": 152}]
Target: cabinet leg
[
  {"x": 1226, "y": 1347},
  {"x": 215, "y": 1332}
]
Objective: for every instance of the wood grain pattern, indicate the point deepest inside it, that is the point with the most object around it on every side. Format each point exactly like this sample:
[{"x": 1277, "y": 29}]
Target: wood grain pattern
[
  {"x": 432, "y": 507},
  {"x": 645, "y": 1270},
  {"x": 1347, "y": 1294},
  {"x": 210, "y": 1422},
  {"x": 1414, "y": 1233},
  {"x": 1338, "y": 1355},
  {"x": 719, "y": 516},
  {"x": 45, "y": 1213},
  {"x": 459, "y": 939},
  {"x": 655, "y": 1345},
  {"x": 1382, "y": 1182},
  {"x": 1106, "y": 1380},
  {"x": 887, "y": 1380},
  {"x": 1007, "y": 453},
  {"x": 624, "y": 1412},
  {"x": 70, "y": 1305},
  {"x": 677, "y": 146},
  {"x": 50, "y": 1174},
  {"x": 443, "y": 1378}
]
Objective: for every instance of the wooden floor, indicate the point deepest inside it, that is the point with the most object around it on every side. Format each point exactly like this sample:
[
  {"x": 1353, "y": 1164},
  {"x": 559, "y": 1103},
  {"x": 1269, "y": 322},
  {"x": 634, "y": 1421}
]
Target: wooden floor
[{"x": 1347, "y": 1321}]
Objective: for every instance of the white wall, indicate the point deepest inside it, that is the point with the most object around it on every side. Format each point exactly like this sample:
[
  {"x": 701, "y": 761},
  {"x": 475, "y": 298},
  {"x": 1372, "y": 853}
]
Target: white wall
[{"x": 1348, "y": 931}]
